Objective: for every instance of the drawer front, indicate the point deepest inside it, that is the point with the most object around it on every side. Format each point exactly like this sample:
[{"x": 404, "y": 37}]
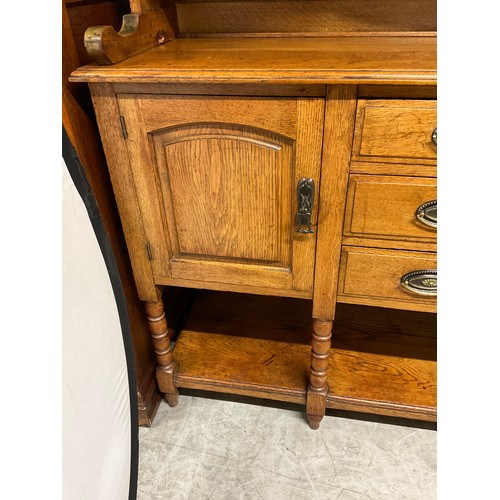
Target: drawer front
[
  {"x": 373, "y": 277},
  {"x": 391, "y": 207},
  {"x": 391, "y": 130}
]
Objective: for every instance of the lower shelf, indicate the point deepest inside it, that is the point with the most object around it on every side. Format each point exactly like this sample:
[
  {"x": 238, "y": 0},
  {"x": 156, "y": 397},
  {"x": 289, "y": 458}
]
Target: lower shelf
[{"x": 382, "y": 361}]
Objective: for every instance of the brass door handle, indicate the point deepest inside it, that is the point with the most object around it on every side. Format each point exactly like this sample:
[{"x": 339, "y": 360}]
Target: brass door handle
[
  {"x": 422, "y": 282},
  {"x": 305, "y": 202},
  {"x": 435, "y": 136},
  {"x": 427, "y": 213}
]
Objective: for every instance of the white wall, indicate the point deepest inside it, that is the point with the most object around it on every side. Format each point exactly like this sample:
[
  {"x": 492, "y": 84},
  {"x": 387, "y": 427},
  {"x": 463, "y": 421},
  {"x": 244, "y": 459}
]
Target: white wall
[{"x": 95, "y": 400}]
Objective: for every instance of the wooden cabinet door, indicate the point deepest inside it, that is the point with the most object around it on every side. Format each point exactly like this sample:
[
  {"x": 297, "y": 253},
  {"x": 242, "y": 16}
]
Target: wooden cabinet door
[{"x": 215, "y": 179}]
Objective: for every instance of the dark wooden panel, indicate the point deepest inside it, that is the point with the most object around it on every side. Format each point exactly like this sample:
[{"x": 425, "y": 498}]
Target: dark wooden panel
[
  {"x": 317, "y": 16},
  {"x": 83, "y": 15}
]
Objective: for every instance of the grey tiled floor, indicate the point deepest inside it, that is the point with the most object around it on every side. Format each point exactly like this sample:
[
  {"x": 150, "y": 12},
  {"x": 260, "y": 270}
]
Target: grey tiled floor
[{"x": 220, "y": 449}]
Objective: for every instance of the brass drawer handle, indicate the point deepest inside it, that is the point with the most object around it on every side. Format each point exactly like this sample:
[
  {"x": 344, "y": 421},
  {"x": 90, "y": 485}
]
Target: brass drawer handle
[
  {"x": 305, "y": 202},
  {"x": 435, "y": 136},
  {"x": 427, "y": 213},
  {"x": 423, "y": 282}
]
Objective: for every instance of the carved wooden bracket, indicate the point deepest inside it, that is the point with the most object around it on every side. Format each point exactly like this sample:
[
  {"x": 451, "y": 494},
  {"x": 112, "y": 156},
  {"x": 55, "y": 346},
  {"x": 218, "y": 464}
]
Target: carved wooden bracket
[{"x": 139, "y": 32}]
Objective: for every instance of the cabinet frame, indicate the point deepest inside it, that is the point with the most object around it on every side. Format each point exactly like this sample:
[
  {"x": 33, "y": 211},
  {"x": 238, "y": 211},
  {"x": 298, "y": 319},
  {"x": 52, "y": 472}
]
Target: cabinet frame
[
  {"x": 337, "y": 142},
  {"x": 184, "y": 139}
]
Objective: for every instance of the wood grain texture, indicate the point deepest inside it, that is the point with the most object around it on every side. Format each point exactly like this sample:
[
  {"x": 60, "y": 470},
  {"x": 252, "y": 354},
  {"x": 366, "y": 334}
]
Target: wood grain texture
[
  {"x": 408, "y": 381},
  {"x": 397, "y": 92},
  {"x": 142, "y": 6},
  {"x": 214, "y": 285},
  {"x": 385, "y": 207},
  {"x": 210, "y": 167},
  {"x": 246, "y": 344},
  {"x": 406, "y": 169},
  {"x": 396, "y": 244},
  {"x": 384, "y": 360},
  {"x": 258, "y": 368},
  {"x": 244, "y": 90},
  {"x": 255, "y": 316},
  {"x": 337, "y": 141},
  {"x": 407, "y": 331},
  {"x": 139, "y": 32},
  {"x": 317, "y": 388},
  {"x": 389, "y": 130},
  {"x": 146, "y": 189},
  {"x": 227, "y": 169},
  {"x": 232, "y": 339},
  {"x": 160, "y": 335},
  {"x": 372, "y": 277},
  {"x": 85, "y": 14},
  {"x": 148, "y": 401},
  {"x": 321, "y": 16},
  {"x": 159, "y": 111},
  {"x": 393, "y": 60},
  {"x": 107, "y": 114}
]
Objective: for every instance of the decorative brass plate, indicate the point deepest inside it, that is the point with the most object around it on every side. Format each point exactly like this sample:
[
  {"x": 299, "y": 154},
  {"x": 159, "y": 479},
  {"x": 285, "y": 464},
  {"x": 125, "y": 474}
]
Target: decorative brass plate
[
  {"x": 422, "y": 282},
  {"x": 427, "y": 213}
]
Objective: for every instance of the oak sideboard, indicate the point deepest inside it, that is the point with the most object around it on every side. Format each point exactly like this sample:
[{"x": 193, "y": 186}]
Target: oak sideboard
[{"x": 289, "y": 175}]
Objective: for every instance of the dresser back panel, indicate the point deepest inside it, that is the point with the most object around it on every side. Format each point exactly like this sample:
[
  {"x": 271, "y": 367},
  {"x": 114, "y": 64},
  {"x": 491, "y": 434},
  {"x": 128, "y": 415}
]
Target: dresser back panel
[{"x": 323, "y": 17}]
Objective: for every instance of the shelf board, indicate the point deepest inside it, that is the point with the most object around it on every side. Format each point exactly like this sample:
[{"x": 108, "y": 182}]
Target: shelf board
[
  {"x": 382, "y": 361},
  {"x": 394, "y": 60},
  {"x": 246, "y": 344}
]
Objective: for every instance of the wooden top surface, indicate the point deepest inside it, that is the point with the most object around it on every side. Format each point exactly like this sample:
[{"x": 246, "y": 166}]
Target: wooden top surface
[{"x": 343, "y": 59}]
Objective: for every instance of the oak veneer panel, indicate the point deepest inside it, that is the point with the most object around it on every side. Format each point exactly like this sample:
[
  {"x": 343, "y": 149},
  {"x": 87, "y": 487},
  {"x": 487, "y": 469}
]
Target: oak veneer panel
[
  {"x": 390, "y": 130},
  {"x": 385, "y": 207},
  {"x": 372, "y": 277},
  {"x": 245, "y": 344},
  {"x": 318, "y": 16},
  {"x": 395, "y": 60},
  {"x": 206, "y": 220}
]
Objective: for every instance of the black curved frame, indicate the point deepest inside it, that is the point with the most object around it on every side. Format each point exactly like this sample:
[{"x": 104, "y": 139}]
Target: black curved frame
[{"x": 84, "y": 189}]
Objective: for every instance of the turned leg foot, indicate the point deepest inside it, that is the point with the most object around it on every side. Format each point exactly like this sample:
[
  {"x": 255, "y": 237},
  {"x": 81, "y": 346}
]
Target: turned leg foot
[
  {"x": 160, "y": 335},
  {"x": 172, "y": 399},
  {"x": 314, "y": 421},
  {"x": 317, "y": 388},
  {"x": 165, "y": 379}
]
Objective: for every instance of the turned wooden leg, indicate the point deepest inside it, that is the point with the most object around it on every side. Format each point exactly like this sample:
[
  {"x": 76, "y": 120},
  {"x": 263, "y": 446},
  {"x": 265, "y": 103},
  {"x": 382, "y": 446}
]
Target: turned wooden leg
[
  {"x": 317, "y": 388},
  {"x": 166, "y": 368}
]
